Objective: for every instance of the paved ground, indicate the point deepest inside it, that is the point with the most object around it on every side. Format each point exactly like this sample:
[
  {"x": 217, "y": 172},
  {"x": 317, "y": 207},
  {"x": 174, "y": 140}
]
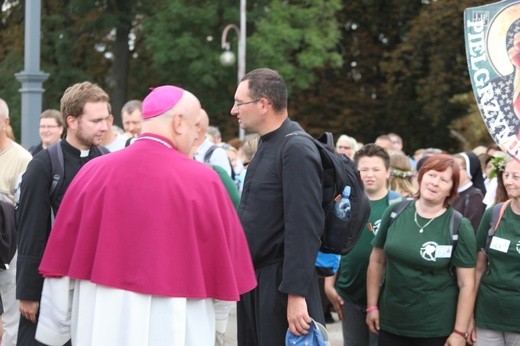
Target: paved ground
[{"x": 335, "y": 336}]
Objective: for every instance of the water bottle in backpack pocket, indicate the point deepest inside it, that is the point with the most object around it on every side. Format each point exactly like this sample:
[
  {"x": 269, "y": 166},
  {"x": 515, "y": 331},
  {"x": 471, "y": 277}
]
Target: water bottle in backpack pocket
[{"x": 342, "y": 206}]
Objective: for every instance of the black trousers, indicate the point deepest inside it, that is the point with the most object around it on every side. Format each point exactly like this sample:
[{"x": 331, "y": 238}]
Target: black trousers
[
  {"x": 27, "y": 332},
  {"x": 262, "y": 313}
]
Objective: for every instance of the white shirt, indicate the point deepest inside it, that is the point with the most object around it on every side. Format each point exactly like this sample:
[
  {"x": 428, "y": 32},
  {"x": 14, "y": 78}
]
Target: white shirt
[
  {"x": 117, "y": 144},
  {"x": 491, "y": 191},
  {"x": 92, "y": 314},
  {"x": 219, "y": 156}
]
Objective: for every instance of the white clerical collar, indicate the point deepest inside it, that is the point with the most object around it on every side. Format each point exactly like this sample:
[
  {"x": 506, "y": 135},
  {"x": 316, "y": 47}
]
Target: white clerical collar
[
  {"x": 155, "y": 139},
  {"x": 465, "y": 187}
]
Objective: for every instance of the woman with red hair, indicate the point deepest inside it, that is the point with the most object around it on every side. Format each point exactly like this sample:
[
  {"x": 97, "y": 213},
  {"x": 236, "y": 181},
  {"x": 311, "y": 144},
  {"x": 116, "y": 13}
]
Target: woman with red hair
[{"x": 420, "y": 280}]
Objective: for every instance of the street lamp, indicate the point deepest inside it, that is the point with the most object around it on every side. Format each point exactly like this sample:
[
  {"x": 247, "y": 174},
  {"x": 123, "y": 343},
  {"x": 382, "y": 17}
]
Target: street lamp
[
  {"x": 227, "y": 58},
  {"x": 31, "y": 77}
]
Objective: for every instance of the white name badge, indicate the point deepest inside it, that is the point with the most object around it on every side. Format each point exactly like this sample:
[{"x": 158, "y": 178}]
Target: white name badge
[
  {"x": 443, "y": 251},
  {"x": 499, "y": 244}
]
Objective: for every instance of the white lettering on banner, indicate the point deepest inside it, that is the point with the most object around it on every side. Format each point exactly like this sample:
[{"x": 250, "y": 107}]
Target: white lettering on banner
[{"x": 494, "y": 117}]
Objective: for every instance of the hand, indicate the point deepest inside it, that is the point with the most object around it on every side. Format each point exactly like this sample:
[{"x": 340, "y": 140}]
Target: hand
[
  {"x": 373, "y": 321},
  {"x": 297, "y": 315},
  {"x": 335, "y": 300},
  {"x": 455, "y": 340},
  {"x": 29, "y": 309},
  {"x": 472, "y": 332}
]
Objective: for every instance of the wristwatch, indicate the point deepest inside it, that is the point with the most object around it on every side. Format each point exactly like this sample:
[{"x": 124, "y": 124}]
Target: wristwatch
[{"x": 463, "y": 334}]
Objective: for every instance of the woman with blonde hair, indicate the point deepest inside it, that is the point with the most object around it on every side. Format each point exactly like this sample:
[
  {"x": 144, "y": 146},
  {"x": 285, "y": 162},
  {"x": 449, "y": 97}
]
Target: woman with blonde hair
[
  {"x": 401, "y": 175},
  {"x": 246, "y": 153}
]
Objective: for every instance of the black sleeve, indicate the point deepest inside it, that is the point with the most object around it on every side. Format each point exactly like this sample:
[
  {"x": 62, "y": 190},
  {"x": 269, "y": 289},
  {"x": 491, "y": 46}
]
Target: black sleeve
[
  {"x": 303, "y": 214},
  {"x": 34, "y": 230},
  {"x": 474, "y": 208}
]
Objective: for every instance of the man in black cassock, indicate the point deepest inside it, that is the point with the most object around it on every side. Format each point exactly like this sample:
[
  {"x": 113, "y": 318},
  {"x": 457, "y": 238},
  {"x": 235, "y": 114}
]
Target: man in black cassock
[{"x": 281, "y": 213}]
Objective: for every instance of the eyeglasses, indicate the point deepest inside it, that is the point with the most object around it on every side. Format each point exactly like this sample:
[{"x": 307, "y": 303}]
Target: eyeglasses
[
  {"x": 45, "y": 127},
  {"x": 238, "y": 104}
]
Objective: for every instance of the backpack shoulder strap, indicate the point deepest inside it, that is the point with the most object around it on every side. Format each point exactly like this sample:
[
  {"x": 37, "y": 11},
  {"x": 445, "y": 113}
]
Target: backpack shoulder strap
[
  {"x": 498, "y": 212},
  {"x": 455, "y": 219},
  {"x": 281, "y": 148},
  {"x": 209, "y": 152},
  {"x": 398, "y": 209},
  {"x": 56, "y": 154},
  {"x": 496, "y": 216},
  {"x": 57, "y": 172}
]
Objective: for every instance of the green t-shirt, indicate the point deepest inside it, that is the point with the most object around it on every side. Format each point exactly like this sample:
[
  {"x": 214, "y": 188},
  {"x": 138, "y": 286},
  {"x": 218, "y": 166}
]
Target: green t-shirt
[
  {"x": 498, "y": 298},
  {"x": 419, "y": 295},
  {"x": 229, "y": 184},
  {"x": 352, "y": 274}
]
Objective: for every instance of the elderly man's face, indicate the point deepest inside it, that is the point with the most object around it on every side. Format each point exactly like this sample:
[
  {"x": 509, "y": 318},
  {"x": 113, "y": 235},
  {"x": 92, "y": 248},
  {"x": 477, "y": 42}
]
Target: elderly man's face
[
  {"x": 133, "y": 122},
  {"x": 4, "y": 124},
  {"x": 344, "y": 147},
  {"x": 191, "y": 124}
]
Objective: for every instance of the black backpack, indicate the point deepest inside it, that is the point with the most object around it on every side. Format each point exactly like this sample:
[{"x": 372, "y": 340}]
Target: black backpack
[
  {"x": 339, "y": 236},
  {"x": 7, "y": 233}
]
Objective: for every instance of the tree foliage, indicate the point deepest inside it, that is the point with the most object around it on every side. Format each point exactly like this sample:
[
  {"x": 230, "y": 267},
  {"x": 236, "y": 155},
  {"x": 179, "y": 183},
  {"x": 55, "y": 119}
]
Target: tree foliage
[
  {"x": 425, "y": 71},
  {"x": 11, "y": 59},
  {"x": 295, "y": 38},
  {"x": 352, "y": 99},
  {"x": 362, "y": 67}
]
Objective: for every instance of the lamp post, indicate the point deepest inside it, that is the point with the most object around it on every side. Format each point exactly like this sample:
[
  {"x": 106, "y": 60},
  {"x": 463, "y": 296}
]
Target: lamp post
[
  {"x": 227, "y": 58},
  {"x": 31, "y": 77}
]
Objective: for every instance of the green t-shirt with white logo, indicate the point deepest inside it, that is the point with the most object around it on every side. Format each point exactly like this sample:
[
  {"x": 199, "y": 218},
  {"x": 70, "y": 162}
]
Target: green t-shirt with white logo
[
  {"x": 352, "y": 274},
  {"x": 498, "y": 298},
  {"x": 419, "y": 295}
]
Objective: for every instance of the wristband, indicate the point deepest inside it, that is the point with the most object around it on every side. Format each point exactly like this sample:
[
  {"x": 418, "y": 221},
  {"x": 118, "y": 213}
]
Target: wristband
[
  {"x": 463, "y": 334},
  {"x": 371, "y": 308}
]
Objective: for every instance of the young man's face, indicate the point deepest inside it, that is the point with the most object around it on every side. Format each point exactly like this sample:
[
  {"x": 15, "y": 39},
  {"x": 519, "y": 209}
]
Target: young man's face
[
  {"x": 373, "y": 173},
  {"x": 92, "y": 124}
]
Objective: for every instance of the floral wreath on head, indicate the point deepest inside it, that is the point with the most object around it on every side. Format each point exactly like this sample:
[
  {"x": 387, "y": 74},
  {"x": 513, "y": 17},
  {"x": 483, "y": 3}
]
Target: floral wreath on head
[
  {"x": 498, "y": 164},
  {"x": 401, "y": 174}
]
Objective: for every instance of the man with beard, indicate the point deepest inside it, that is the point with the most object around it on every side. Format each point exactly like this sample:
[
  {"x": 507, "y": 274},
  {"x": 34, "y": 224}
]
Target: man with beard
[{"x": 84, "y": 107}]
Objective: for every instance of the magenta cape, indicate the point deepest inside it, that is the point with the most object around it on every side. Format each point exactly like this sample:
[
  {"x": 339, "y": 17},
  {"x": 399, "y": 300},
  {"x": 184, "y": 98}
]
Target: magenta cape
[{"x": 150, "y": 220}]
